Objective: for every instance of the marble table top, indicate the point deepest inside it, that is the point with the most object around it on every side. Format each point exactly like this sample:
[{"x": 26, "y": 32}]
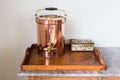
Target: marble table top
[{"x": 111, "y": 56}]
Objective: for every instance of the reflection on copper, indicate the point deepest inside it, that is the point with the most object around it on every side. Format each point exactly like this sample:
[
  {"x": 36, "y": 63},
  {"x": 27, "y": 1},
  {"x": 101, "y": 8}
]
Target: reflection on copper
[
  {"x": 46, "y": 54},
  {"x": 50, "y": 35}
]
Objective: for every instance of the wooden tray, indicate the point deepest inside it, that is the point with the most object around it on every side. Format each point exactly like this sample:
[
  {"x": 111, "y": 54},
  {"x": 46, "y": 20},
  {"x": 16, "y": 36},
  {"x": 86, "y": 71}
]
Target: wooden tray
[{"x": 69, "y": 61}]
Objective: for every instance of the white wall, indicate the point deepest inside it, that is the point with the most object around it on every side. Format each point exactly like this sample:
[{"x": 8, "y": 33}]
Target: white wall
[{"x": 94, "y": 19}]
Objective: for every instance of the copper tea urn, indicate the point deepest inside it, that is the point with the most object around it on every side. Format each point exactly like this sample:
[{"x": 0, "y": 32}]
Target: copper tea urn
[{"x": 50, "y": 32}]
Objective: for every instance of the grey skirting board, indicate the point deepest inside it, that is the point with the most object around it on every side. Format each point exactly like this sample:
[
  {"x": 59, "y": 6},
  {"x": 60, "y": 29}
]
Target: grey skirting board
[{"x": 111, "y": 56}]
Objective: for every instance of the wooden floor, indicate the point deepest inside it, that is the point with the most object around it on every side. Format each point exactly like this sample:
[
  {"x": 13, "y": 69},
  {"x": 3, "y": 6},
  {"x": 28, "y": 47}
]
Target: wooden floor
[{"x": 74, "y": 78}]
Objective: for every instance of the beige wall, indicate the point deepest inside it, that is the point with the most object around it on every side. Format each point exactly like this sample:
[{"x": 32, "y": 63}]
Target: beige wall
[{"x": 95, "y": 19}]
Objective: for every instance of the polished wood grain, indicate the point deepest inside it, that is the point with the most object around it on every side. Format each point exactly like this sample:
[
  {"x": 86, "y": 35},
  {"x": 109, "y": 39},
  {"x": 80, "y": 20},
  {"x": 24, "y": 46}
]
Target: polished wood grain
[
  {"x": 72, "y": 78},
  {"x": 69, "y": 61}
]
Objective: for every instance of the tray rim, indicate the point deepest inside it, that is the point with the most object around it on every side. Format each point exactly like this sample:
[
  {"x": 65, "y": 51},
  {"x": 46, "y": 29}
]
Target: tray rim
[{"x": 97, "y": 53}]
